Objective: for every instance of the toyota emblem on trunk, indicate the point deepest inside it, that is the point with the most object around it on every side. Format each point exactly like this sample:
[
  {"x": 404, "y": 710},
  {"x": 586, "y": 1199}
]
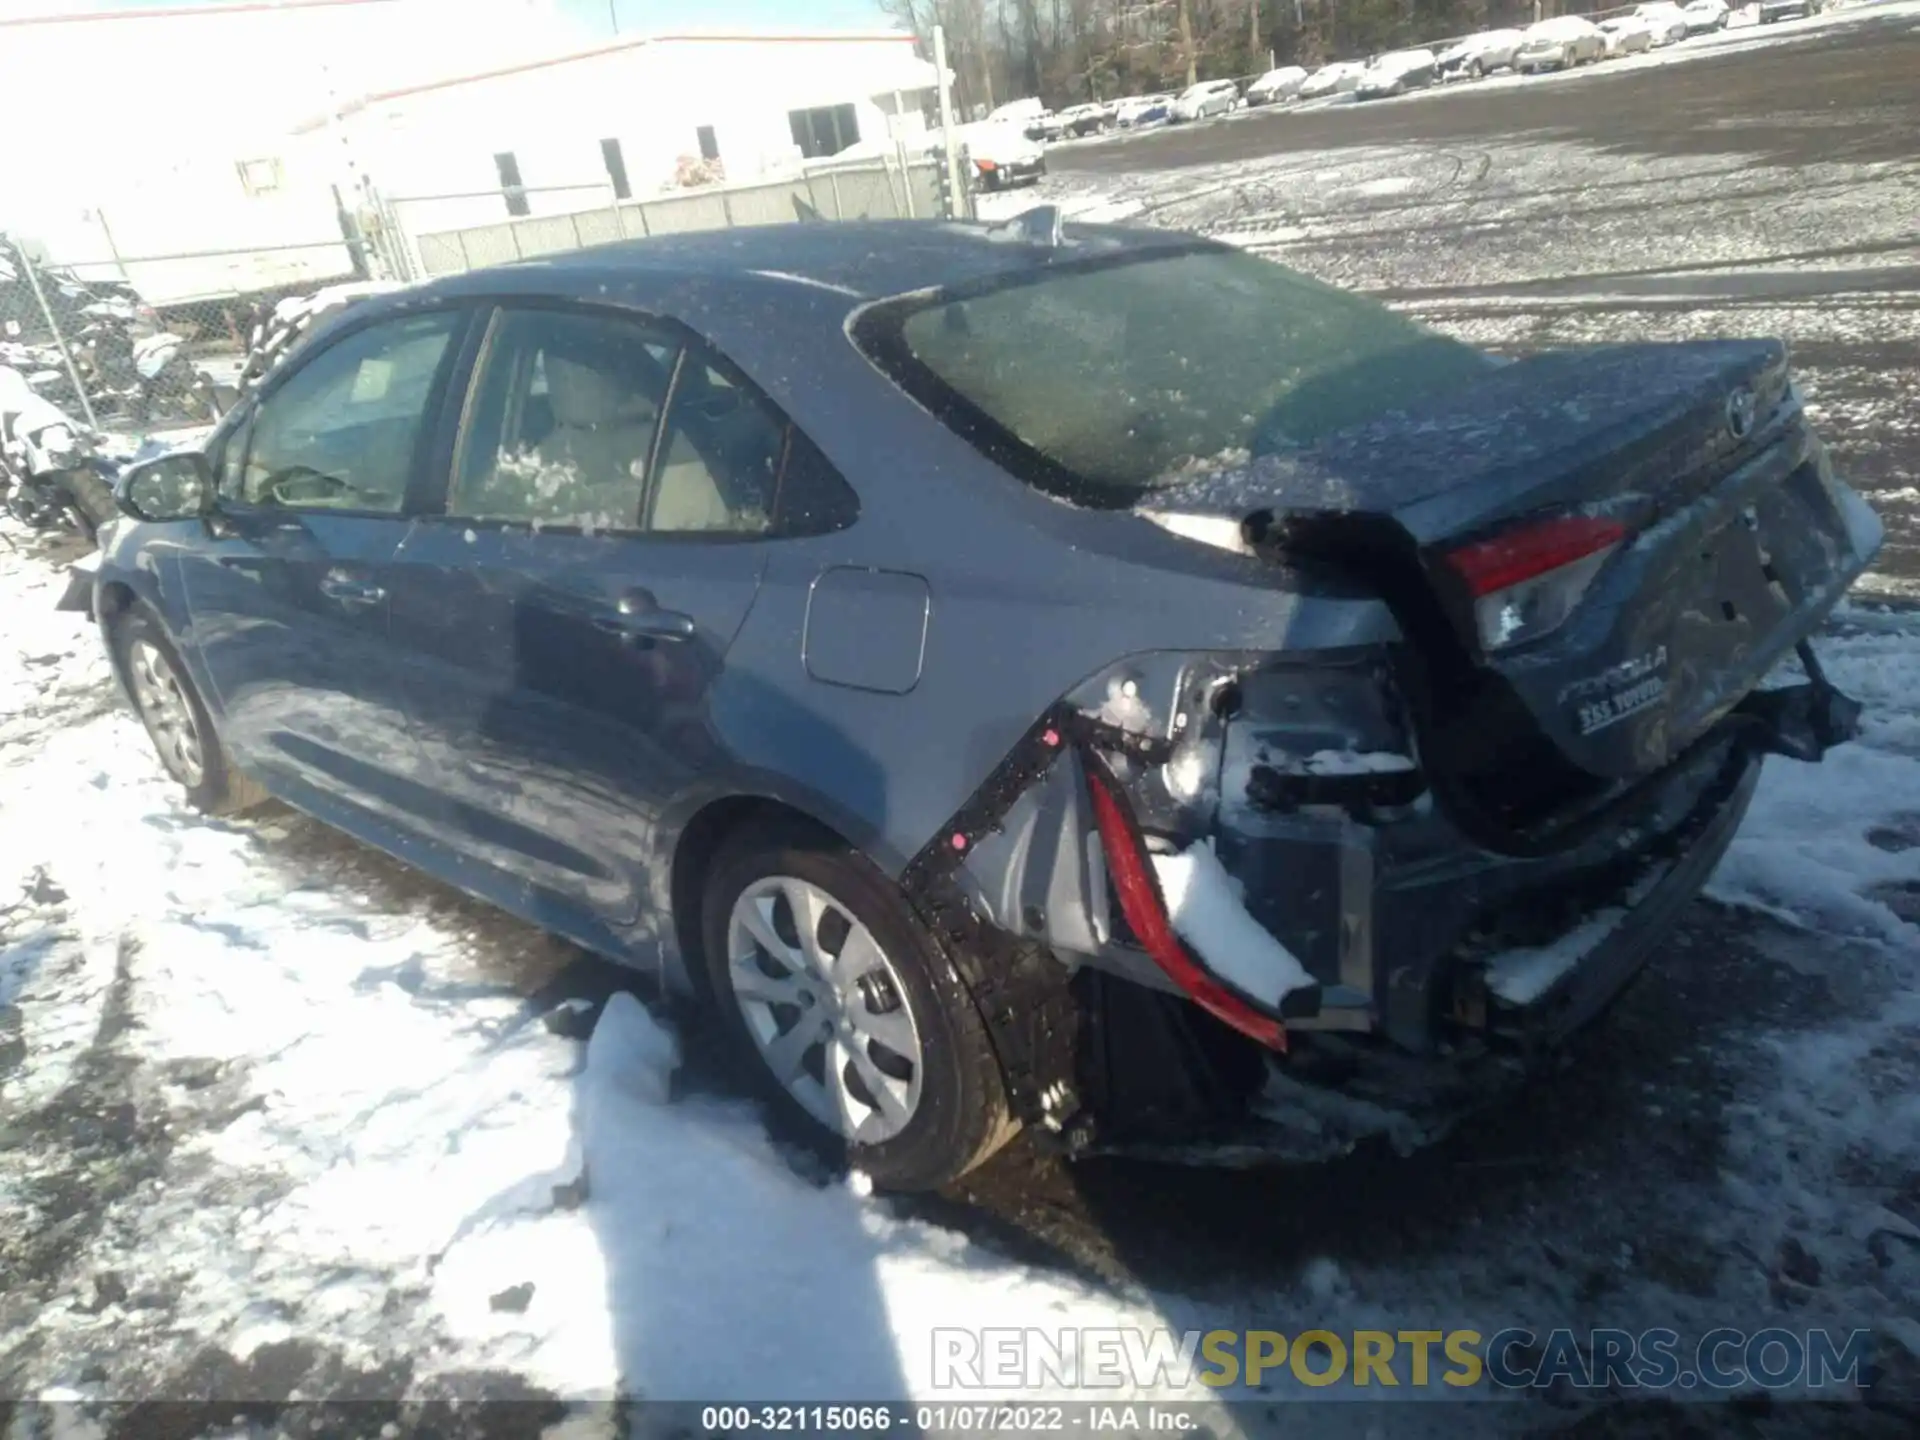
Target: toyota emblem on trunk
[{"x": 1740, "y": 408}]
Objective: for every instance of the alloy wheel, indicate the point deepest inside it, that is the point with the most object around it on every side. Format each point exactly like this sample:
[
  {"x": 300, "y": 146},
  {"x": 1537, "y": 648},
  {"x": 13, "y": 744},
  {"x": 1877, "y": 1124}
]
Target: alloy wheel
[
  {"x": 825, "y": 1007},
  {"x": 162, "y": 699}
]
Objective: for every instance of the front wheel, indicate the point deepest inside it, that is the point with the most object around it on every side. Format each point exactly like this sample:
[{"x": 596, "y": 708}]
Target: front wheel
[
  {"x": 176, "y": 718},
  {"x": 854, "y": 1019}
]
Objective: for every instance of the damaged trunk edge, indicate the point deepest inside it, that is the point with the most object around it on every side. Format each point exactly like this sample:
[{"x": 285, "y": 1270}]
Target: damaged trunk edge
[{"x": 1288, "y": 891}]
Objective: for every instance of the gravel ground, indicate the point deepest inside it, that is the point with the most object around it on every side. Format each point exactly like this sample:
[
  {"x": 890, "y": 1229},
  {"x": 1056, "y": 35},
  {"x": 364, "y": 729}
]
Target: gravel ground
[{"x": 1735, "y": 1144}]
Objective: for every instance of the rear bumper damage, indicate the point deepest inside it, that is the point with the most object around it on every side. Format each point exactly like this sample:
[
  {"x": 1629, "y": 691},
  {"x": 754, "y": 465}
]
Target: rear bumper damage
[{"x": 1441, "y": 974}]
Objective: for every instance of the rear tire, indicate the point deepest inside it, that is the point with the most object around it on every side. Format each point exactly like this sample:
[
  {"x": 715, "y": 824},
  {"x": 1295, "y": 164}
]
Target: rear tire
[
  {"x": 899, "y": 1078},
  {"x": 176, "y": 718}
]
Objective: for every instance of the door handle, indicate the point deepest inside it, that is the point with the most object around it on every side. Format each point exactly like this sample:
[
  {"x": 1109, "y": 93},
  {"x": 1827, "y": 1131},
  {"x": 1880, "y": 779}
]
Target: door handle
[
  {"x": 346, "y": 590},
  {"x": 638, "y": 616}
]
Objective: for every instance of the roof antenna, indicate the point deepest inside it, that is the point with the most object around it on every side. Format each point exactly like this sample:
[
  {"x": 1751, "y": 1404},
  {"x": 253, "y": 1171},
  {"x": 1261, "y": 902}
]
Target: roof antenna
[
  {"x": 1044, "y": 225},
  {"x": 805, "y": 211}
]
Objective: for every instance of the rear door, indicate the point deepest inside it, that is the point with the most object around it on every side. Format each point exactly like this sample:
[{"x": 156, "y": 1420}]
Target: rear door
[
  {"x": 287, "y": 597},
  {"x": 601, "y": 542}
]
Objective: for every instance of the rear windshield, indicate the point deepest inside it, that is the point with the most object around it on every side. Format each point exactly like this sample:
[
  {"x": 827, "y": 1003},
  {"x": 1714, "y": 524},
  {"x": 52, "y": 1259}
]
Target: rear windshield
[{"x": 1104, "y": 381}]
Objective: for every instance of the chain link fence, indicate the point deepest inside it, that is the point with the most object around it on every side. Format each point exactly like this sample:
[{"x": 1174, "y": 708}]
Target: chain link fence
[{"x": 141, "y": 342}]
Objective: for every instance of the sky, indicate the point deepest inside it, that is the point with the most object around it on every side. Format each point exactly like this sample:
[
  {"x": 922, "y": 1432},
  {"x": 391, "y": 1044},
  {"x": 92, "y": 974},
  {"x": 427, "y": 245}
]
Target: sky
[{"x": 594, "y": 16}]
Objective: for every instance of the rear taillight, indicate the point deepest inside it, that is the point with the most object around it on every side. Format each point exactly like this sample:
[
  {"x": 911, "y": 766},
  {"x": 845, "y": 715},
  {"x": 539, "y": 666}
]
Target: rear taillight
[{"x": 1526, "y": 582}]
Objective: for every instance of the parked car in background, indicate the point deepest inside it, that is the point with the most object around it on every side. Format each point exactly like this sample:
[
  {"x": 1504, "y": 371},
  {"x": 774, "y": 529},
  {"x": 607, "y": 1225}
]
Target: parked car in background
[
  {"x": 1368, "y": 672},
  {"x": 1772, "y": 10},
  {"x": 1143, "y": 110},
  {"x": 1336, "y": 78},
  {"x": 1209, "y": 97},
  {"x": 1560, "y": 44},
  {"x": 1078, "y": 120},
  {"x": 1479, "y": 55},
  {"x": 1665, "y": 19},
  {"x": 1627, "y": 35},
  {"x": 1003, "y": 155},
  {"x": 1277, "y": 85},
  {"x": 1706, "y": 16},
  {"x": 1017, "y": 112},
  {"x": 1396, "y": 73}
]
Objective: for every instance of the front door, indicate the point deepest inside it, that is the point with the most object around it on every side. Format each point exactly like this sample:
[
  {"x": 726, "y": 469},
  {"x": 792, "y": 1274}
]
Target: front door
[
  {"x": 287, "y": 606},
  {"x": 602, "y": 542}
]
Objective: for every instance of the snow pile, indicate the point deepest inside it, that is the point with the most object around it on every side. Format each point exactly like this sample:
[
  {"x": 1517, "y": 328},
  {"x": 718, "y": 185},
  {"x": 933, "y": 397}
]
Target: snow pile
[
  {"x": 1832, "y": 846},
  {"x": 1203, "y": 901}
]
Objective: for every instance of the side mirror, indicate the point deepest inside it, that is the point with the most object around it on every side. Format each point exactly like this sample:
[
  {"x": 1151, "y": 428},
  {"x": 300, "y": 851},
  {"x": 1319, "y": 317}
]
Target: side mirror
[{"x": 168, "y": 487}]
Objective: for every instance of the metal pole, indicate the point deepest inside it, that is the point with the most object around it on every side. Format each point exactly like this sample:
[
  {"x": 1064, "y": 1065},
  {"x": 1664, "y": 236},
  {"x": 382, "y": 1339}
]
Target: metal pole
[
  {"x": 950, "y": 140},
  {"x": 613, "y": 16},
  {"x": 59, "y": 340},
  {"x": 112, "y": 248},
  {"x": 900, "y": 149}
]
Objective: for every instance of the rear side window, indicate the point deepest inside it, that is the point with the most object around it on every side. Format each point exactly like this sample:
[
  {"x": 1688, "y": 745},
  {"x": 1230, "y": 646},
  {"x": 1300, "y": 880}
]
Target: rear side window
[
  {"x": 1102, "y": 382},
  {"x": 561, "y": 424},
  {"x": 719, "y": 469},
  {"x": 591, "y": 422}
]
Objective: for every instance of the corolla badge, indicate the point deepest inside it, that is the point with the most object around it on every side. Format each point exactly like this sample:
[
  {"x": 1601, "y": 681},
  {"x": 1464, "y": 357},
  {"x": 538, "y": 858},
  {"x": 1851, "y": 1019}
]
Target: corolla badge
[{"x": 1741, "y": 405}]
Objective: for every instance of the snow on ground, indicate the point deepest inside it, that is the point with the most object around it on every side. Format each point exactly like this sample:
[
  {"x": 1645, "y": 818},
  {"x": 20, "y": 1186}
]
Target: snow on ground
[
  {"x": 271, "y": 1119},
  {"x": 373, "y": 1145}
]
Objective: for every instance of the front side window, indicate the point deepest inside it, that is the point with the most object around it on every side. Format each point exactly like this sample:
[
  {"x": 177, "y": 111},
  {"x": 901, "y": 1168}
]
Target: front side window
[
  {"x": 341, "y": 432},
  {"x": 1105, "y": 381}
]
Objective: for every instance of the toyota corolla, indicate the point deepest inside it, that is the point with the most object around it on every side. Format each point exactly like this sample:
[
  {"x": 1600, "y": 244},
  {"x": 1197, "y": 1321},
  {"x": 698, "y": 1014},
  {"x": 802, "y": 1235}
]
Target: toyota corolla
[{"x": 1071, "y": 677}]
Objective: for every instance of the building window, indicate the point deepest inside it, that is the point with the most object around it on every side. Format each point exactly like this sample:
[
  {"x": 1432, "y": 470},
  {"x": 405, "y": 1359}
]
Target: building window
[
  {"x": 510, "y": 184},
  {"x": 260, "y": 177},
  {"x": 824, "y": 131},
  {"x": 709, "y": 143},
  {"x": 616, "y": 164}
]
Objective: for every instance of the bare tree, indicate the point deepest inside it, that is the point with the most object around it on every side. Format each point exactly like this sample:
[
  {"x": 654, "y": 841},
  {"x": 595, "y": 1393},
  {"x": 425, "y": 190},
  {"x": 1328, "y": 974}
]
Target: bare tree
[{"x": 1186, "y": 42}]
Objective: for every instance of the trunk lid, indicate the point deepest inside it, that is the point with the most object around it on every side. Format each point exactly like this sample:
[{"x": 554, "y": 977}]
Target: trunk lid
[{"x": 1733, "y": 541}]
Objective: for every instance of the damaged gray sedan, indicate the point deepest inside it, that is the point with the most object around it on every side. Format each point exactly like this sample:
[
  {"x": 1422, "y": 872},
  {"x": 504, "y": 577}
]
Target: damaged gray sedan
[{"x": 1074, "y": 678}]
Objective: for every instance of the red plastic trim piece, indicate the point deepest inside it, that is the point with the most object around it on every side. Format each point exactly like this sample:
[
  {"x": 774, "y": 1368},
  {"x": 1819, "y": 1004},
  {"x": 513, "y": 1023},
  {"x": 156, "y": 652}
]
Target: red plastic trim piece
[{"x": 1145, "y": 910}]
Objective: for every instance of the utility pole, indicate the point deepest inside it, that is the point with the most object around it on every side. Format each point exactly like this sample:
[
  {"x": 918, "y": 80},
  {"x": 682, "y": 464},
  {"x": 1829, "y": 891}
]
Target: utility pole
[
  {"x": 613, "y": 15},
  {"x": 949, "y": 142}
]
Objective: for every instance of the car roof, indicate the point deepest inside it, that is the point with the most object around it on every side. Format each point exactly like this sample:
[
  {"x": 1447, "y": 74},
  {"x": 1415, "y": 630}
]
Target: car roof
[{"x": 860, "y": 259}]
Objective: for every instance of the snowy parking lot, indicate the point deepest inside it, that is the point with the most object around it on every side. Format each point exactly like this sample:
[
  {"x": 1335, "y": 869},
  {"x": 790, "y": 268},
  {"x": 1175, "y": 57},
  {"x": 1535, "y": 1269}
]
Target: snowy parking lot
[{"x": 280, "y": 1121}]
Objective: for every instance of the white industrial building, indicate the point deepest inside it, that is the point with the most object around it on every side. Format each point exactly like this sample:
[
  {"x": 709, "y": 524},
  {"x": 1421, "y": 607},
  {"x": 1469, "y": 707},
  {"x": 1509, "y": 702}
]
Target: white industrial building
[
  {"x": 246, "y": 127},
  {"x": 627, "y": 119}
]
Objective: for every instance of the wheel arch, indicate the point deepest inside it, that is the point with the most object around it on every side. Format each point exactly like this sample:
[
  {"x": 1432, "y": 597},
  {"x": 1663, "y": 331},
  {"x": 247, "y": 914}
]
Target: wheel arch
[{"x": 699, "y": 842}]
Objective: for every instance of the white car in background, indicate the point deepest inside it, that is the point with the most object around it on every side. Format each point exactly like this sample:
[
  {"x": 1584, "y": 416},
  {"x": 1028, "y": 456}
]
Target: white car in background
[
  {"x": 1002, "y": 154},
  {"x": 1707, "y": 15},
  {"x": 1479, "y": 55},
  {"x": 1142, "y": 110},
  {"x": 1396, "y": 73},
  {"x": 1666, "y": 20},
  {"x": 1627, "y": 35},
  {"x": 1281, "y": 84},
  {"x": 1560, "y": 44},
  {"x": 1209, "y": 97},
  {"x": 1335, "y": 79}
]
